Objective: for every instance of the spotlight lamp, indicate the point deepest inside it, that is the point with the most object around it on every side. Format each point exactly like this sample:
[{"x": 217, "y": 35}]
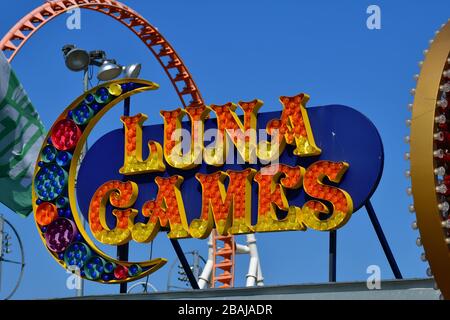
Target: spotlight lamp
[
  {"x": 77, "y": 59},
  {"x": 109, "y": 70},
  {"x": 132, "y": 71}
]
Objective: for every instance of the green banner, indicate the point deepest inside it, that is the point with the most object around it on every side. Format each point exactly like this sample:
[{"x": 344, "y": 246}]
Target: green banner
[{"x": 21, "y": 136}]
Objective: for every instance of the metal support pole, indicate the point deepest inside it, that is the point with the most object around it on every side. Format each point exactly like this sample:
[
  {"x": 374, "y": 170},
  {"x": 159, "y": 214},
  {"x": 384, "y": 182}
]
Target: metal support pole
[
  {"x": 80, "y": 290},
  {"x": 122, "y": 255},
  {"x": 204, "y": 280},
  {"x": 332, "y": 256},
  {"x": 196, "y": 264},
  {"x": 252, "y": 275},
  {"x": 86, "y": 80},
  {"x": 123, "y": 250},
  {"x": 184, "y": 263},
  {"x": 383, "y": 241},
  {"x": 126, "y": 107}
]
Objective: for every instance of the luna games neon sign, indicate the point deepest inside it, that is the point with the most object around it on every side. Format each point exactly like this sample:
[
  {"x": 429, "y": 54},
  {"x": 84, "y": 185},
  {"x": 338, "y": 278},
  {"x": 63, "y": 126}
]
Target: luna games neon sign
[{"x": 205, "y": 167}]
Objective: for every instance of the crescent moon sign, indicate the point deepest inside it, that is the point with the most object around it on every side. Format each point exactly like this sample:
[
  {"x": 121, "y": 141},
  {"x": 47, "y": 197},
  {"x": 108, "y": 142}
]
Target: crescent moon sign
[{"x": 54, "y": 201}]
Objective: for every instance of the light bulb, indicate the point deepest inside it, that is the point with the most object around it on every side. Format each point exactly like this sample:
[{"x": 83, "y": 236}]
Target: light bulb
[
  {"x": 418, "y": 242},
  {"x": 442, "y": 103},
  {"x": 445, "y": 224},
  {"x": 439, "y": 136},
  {"x": 442, "y": 188},
  {"x": 445, "y": 87},
  {"x": 439, "y": 153},
  {"x": 440, "y": 119},
  {"x": 444, "y": 206}
]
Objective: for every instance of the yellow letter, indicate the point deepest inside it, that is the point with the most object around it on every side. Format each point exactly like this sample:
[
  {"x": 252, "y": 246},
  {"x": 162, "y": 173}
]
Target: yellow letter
[
  {"x": 229, "y": 208},
  {"x": 167, "y": 210},
  {"x": 173, "y": 147},
  {"x": 133, "y": 162},
  {"x": 242, "y": 135},
  {"x": 293, "y": 128},
  {"x": 271, "y": 195},
  {"x": 339, "y": 199},
  {"x": 121, "y": 195}
]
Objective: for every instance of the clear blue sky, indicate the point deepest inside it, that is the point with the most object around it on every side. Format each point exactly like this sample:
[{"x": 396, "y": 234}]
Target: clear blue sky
[{"x": 245, "y": 50}]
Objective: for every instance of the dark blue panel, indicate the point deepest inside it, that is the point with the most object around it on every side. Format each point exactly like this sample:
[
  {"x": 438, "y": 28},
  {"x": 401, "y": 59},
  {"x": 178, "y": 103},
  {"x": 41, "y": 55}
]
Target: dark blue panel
[{"x": 342, "y": 133}]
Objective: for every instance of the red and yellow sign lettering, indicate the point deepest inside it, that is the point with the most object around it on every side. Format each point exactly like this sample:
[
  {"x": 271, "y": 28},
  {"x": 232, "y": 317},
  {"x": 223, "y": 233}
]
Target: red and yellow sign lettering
[
  {"x": 226, "y": 195},
  {"x": 293, "y": 128},
  {"x": 340, "y": 201},
  {"x": 271, "y": 196},
  {"x": 133, "y": 162},
  {"x": 120, "y": 195}
]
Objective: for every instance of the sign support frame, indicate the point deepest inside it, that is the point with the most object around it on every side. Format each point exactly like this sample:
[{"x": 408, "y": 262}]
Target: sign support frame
[
  {"x": 383, "y": 241},
  {"x": 381, "y": 238}
]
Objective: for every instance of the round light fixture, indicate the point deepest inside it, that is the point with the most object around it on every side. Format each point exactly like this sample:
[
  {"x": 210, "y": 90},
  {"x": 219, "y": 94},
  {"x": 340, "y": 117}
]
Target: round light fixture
[
  {"x": 132, "y": 71},
  {"x": 76, "y": 59},
  {"x": 109, "y": 70}
]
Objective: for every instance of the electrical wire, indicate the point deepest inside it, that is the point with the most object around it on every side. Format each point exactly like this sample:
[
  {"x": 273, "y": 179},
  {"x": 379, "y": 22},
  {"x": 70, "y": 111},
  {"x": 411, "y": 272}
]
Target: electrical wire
[{"x": 90, "y": 75}]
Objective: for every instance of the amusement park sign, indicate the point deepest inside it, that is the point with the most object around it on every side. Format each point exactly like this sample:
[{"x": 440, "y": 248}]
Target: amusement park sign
[
  {"x": 229, "y": 167},
  {"x": 183, "y": 177},
  {"x": 238, "y": 183}
]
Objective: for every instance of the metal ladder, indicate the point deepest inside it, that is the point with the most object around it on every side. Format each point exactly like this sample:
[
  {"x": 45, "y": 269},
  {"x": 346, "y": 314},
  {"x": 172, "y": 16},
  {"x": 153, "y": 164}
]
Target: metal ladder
[{"x": 224, "y": 249}]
